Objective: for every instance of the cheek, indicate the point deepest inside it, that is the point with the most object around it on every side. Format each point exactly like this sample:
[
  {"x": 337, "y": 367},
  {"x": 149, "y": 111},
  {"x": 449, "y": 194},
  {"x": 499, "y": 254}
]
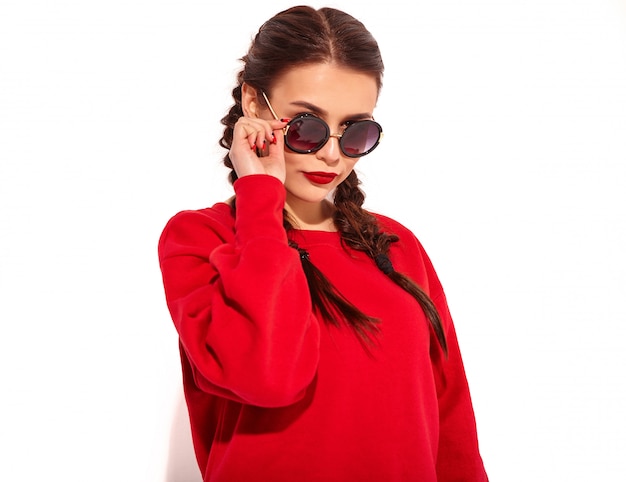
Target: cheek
[{"x": 292, "y": 160}]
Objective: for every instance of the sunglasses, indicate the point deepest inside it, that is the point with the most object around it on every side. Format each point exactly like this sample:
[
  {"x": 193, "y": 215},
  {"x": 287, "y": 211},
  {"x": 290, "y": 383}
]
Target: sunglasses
[{"x": 307, "y": 133}]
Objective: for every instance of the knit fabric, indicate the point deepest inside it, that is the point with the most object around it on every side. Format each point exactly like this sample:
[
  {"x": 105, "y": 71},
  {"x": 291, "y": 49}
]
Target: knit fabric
[{"x": 276, "y": 394}]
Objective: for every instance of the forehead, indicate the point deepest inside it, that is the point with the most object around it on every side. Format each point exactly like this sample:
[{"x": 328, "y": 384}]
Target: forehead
[{"x": 332, "y": 88}]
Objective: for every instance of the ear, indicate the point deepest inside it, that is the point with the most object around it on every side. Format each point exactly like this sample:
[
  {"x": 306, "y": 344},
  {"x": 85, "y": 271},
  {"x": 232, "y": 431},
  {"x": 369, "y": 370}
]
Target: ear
[{"x": 249, "y": 101}]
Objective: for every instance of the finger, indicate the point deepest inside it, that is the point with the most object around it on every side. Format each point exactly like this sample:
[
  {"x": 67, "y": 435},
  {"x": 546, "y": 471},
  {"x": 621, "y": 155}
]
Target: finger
[
  {"x": 270, "y": 134},
  {"x": 257, "y": 135},
  {"x": 257, "y": 131},
  {"x": 264, "y": 150},
  {"x": 261, "y": 141},
  {"x": 277, "y": 131},
  {"x": 247, "y": 130}
]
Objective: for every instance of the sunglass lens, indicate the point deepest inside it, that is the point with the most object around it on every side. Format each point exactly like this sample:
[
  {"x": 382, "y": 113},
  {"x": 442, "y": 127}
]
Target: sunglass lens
[
  {"x": 306, "y": 134},
  {"x": 360, "y": 138}
]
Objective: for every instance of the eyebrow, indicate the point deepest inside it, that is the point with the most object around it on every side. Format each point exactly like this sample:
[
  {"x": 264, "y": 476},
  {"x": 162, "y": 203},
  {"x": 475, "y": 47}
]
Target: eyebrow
[{"x": 321, "y": 112}]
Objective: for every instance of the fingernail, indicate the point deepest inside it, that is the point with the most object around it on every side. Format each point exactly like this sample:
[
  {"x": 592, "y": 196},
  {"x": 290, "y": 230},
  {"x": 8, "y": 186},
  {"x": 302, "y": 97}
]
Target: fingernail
[
  {"x": 286, "y": 119},
  {"x": 253, "y": 147},
  {"x": 273, "y": 138}
]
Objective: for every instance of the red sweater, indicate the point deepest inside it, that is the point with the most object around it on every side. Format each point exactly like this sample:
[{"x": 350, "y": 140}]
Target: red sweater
[{"x": 274, "y": 394}]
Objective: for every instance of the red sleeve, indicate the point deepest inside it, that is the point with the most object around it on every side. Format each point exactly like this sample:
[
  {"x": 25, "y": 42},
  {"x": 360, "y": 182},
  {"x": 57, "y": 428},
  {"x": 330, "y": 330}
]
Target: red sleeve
[
  {"x": 458, "y": 457},
  {"x": 240, "y": 302}
]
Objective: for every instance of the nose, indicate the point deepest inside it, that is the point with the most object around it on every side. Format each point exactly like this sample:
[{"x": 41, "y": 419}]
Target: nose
[{"x": 330, "y": 152}]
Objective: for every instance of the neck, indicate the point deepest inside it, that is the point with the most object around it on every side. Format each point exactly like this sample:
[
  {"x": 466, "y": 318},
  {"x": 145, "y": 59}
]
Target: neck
[{"x": 311, "y": 216}]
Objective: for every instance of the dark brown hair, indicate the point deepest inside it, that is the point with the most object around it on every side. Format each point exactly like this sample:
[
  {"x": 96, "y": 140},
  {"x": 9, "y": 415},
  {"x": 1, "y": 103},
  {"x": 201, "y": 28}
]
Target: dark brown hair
[{"x": 300, "y": 36}]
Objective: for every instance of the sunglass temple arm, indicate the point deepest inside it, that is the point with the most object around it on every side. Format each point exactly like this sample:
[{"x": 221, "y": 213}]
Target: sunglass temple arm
[{"x": 267, "y": 101}]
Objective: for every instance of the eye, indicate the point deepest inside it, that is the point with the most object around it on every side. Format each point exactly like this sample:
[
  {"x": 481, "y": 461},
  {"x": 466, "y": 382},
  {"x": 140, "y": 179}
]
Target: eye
[{"x": 349, "y": 122}]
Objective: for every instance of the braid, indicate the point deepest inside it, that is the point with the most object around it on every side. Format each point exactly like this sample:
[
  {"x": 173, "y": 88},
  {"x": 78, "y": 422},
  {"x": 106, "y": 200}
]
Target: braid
[
  {"x": 304, "y": 36},
  {"x": 330, "y": 303},
  {"x": 229, "y": 121},
  {"x": 360, "y": 230}
]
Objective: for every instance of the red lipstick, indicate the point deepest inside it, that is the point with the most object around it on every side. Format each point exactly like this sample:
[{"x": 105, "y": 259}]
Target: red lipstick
[{"x": 320, "y": 177}]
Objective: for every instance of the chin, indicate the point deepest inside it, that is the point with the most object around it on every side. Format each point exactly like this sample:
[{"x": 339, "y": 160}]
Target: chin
[
  {"x": 309, "y": 198},
  {"x": 308, "y": 192}
]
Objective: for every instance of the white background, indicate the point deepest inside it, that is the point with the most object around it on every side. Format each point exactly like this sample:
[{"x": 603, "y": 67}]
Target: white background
[{"x": 504, "y": 151}]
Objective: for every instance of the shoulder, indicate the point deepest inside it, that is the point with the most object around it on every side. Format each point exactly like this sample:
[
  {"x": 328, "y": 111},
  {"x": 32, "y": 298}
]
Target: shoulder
[
  {"x": 392, "y": 226},
  {"x": 408, "y": 254},
  {"x": 407, "y": 239},
  {"x": 219, "y": 214},
  {"x": 212, "y": 225}
]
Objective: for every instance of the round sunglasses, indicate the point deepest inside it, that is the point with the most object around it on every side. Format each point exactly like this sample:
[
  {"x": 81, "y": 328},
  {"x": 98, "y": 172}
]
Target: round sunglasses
[{"x": 307, "y": 133}]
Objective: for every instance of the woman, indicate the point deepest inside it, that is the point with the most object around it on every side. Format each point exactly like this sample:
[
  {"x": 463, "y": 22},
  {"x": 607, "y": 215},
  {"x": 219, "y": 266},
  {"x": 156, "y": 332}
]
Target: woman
[{"x": 315, "y": 339}]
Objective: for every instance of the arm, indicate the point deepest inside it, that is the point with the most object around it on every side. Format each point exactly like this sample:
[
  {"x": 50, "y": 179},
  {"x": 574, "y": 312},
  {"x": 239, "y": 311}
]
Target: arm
[
  {"x": 241, "y": 306},
  {"x": 458, "y": 458}
]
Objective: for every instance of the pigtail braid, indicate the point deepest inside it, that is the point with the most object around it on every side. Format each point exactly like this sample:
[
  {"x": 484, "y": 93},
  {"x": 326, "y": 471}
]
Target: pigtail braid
[
  {"x": 360, "y": 230},
  {"x": 425, "y": 302},
  {"x": 303, "y": 36},
  {"x": 229, "y": 121},
  {"x": 330, "y": 304}
]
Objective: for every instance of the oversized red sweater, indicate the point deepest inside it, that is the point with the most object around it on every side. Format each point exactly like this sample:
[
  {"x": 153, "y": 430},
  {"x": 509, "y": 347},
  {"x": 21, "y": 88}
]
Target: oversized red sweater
[{"x": 274, "y": 393}]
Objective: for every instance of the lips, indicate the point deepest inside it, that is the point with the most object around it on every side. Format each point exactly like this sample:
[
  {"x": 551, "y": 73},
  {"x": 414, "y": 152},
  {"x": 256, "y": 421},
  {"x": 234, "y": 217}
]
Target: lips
[{"x": 320, "y": 177}]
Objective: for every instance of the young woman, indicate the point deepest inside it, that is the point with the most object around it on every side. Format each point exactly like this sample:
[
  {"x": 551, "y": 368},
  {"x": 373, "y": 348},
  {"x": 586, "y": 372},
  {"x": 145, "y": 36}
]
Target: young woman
[{"x": 315, "y": 339}]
